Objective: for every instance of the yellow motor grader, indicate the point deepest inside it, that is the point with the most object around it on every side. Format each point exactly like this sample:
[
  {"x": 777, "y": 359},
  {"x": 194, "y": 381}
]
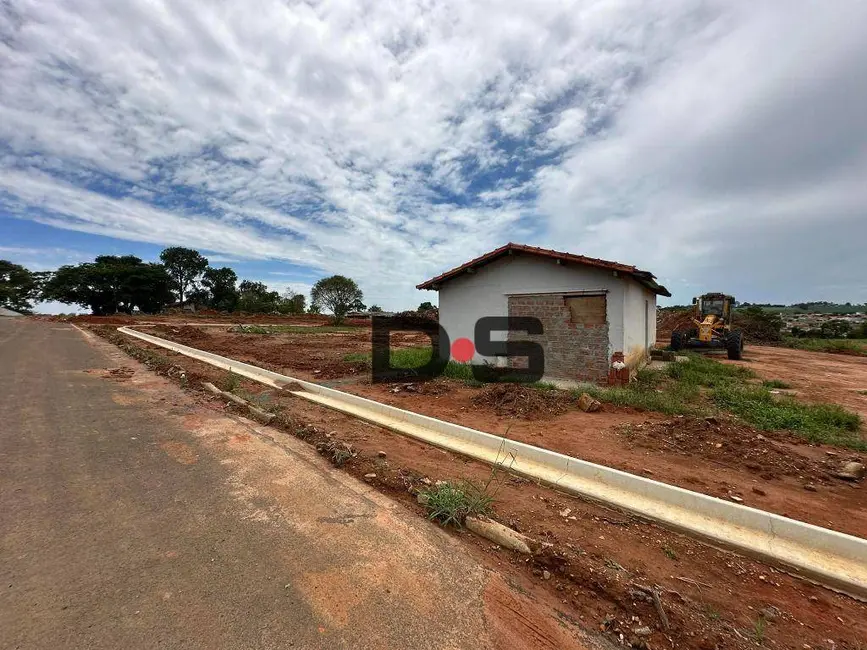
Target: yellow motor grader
[{"x": 713, "y": 327}]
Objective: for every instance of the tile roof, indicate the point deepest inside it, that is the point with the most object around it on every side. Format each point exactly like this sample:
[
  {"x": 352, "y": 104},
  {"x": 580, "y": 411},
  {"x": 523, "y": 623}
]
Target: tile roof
[{"x": 644, "y": 277}]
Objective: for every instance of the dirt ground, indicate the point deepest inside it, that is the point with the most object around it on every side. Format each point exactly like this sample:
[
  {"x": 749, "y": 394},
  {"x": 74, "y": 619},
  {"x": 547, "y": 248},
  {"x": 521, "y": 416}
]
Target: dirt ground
[
  {"x": 814, "y": 376},
  {"x": 773, "y": 471},
  {"x": 721, "y": 458},
  {"x": 600, "y": 558},
  {"x": 203, "y": 318},
  {"x": 316, "y": 356}
]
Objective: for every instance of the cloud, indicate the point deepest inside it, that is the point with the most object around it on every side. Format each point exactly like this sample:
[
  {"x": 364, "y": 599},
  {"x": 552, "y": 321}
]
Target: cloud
[
  {"x": 42, "y": 259},
  {"x": 390, "y": 141},
  {"x": 740, "y": 165}
]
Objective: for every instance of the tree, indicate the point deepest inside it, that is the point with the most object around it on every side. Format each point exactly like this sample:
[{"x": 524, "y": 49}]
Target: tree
[
  {"x": 425, "y": 306},
  {"x": 111, "y": 284},
  {"x": 374, "y": 309},
  {"x": 859, "y": 332},
  {"x": 338, "y": 294},
  {"x": 220, "y": 285},
  {"x": 255, "y": 298},
  {"x": 184, "y": 265},
  {"x": 292, "y": 303},
  {"x": 18, "y": 287}
]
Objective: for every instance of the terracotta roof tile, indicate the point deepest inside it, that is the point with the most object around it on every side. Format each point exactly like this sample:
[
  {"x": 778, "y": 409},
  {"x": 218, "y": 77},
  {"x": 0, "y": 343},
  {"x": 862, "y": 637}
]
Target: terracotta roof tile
[{"x": 644, "y": 277}]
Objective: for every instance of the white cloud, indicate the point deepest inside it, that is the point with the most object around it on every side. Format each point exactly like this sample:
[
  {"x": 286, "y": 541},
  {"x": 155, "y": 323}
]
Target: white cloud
[{"x": 389, "y": 141}]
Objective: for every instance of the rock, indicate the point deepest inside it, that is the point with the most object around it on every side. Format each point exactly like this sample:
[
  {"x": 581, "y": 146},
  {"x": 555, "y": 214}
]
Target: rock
[
  {"x": 852, "y": 471},
  {"x": 770, "y": 613},
  {"x": 588, "y": 404},
  {"x": 381, "y": 454},
  {"x": 502, "y": 535},
  {"x": 710, "y": 420},
  {"x": 759, "y": 491},
  {"x": 546, "y": 575},
  {"x": 371, "y": 475},
  {"x": 642, "y": 631},
  {"x": 809, "y": 487},
  {"x": 566, "y": 512},
  {"x": 736, "y": 498}
]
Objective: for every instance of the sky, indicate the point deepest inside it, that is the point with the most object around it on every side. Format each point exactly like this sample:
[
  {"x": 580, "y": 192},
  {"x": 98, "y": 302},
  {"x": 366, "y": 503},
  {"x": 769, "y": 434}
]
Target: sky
[{"x": 720, "y": 145}]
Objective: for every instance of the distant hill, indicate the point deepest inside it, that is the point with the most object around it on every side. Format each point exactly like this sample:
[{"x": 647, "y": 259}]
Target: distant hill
[{"x": 818, "y": 307}]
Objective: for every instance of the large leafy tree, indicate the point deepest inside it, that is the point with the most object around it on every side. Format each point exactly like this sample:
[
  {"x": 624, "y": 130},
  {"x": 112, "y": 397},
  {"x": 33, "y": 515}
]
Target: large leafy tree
[
  {"x": 18, "y": 287},
  {"x": 338, "y": 294},
  {"x": 111, "y": 284},
  {"x": 184, "y": 265},
  {"x": 256, "y": 298},
  {"x": 220, "y": 285}
]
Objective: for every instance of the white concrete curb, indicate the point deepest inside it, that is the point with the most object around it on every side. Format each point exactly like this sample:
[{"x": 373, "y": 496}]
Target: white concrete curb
[{"x": 834, "y": 559}]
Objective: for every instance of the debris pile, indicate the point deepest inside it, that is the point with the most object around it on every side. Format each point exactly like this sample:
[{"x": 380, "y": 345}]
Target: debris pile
[{"x": 520, "y": 401}]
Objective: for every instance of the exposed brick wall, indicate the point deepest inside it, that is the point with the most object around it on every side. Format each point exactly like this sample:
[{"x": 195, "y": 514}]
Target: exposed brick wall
[{"x": 573, "y": 350}]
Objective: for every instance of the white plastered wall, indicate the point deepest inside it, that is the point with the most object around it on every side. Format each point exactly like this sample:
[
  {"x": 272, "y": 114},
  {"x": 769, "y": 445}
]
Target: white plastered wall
[
  {"x": 468, "y": 297},
  {"x": 639, "y": 323}
]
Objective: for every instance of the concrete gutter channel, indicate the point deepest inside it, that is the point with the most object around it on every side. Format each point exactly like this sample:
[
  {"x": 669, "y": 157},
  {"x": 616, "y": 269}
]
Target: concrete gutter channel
[{"x": 834, "y": 559}]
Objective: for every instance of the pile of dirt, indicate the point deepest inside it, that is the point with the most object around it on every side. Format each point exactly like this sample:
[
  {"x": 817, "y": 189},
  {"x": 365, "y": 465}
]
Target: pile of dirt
[
  {"x": 669, "y": 320},
  {"x": 192, "y": 333},
  {"x": 520, "y": 401},
  {"x": 730, "y": 443},
  {"x": 183, "y": 334}
]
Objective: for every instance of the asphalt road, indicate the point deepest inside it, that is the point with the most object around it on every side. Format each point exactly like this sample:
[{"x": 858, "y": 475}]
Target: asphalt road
[{"x": 134, "y": 517}]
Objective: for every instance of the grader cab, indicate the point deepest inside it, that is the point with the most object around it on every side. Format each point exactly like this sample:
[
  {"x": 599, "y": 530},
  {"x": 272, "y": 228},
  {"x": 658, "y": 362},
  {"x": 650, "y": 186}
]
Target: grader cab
[{"x": 712, "y": 329}]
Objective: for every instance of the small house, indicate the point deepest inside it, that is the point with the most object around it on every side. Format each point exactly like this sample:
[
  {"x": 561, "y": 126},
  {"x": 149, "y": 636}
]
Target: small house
[{"x": 598, "y": 317}]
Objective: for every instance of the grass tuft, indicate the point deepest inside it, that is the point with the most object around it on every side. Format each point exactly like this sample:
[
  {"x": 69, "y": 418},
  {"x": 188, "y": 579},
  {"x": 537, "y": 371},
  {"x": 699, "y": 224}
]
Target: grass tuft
[
  {"x": 776, "y": 383},
  {"x": 230, "y": 382},
  {"x": 451, "y": 504}
]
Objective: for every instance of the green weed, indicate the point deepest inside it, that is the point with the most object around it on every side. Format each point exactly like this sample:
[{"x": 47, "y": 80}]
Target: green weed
[
  {"x": 759, "y": 627},
  {"x": 776, "y": 383},
  {"x": 230, "y": 382},
  {"x": 826, "y": 423},
  {"x": 449, "y": 503},
  {"x": 670, "y": 553}
]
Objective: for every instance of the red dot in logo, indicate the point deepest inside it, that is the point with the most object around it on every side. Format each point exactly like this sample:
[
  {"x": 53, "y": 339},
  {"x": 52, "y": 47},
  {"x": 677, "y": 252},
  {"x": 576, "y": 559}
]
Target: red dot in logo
[{"x": 463, "y": 350}]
